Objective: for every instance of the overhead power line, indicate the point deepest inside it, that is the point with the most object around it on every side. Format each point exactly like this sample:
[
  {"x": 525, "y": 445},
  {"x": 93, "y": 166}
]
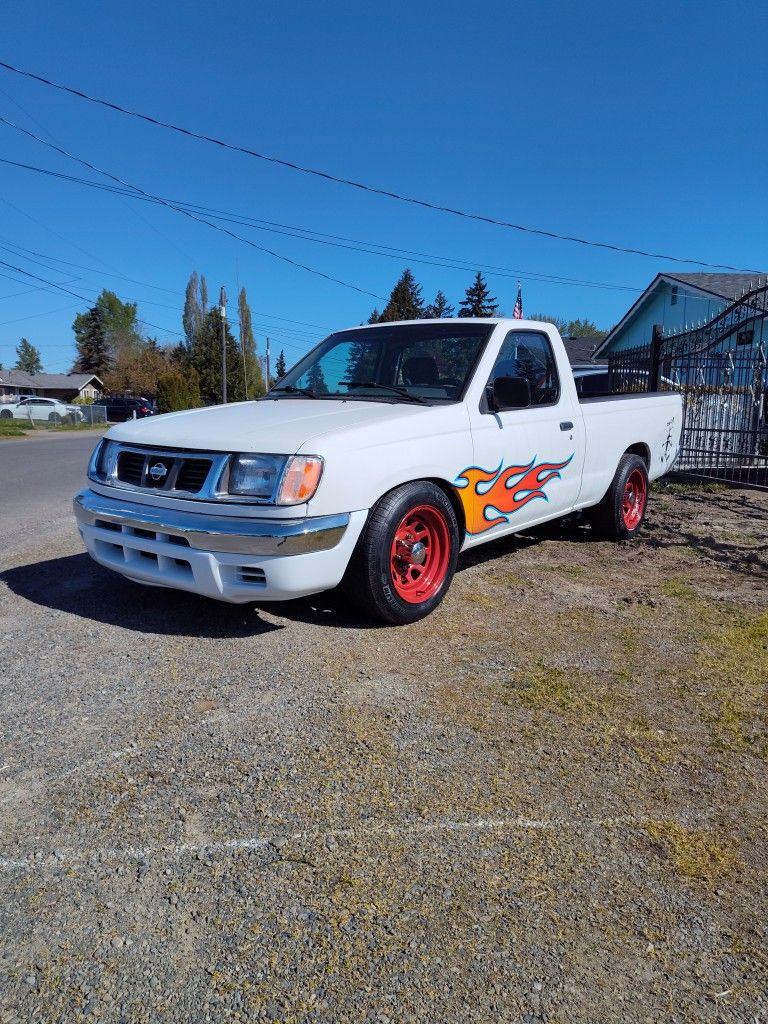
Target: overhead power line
[
  {"x": 338, "y": 241},
  {"x": 76, "y": 295},
  {"x": 362, "y": 186},
  {"x": 180, "y": 209}
]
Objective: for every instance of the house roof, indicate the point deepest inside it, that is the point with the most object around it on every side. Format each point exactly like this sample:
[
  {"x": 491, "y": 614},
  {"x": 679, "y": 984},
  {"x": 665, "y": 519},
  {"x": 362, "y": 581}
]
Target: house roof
[
  {"x": 60, "y": 381},
  {"x": 580, "y": 350},
  {"x": 726, "y": 287}
]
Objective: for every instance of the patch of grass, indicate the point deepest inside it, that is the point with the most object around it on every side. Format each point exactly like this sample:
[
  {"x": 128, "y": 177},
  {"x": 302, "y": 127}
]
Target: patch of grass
[
  {"x": 735, "y": 659},
  {"x": 13, "y": 428},
  {"x": 692, "y": 487},
  {"x": 570, "y": 572},
  {"x": 694, "y": 854},
  {"x": 677, "y": 588}
]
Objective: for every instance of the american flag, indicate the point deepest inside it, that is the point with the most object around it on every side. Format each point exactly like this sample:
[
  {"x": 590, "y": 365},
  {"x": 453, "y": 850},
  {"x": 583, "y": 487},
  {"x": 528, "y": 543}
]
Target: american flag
[{"x": 517, "y": 312}]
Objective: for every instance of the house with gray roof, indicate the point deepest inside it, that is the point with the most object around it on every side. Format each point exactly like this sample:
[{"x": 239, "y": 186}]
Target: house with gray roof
[
  {"x": 64, "y": 386},
  {"x": 674, "y": 300}
]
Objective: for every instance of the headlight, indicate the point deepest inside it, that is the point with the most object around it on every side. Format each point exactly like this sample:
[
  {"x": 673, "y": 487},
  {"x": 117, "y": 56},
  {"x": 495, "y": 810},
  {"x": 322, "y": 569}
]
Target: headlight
[
  {"x": 285, "y": 481},
  {"x": 102, "y": 461}
]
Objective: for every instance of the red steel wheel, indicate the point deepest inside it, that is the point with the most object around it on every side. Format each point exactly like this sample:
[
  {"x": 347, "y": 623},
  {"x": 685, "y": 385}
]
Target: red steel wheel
[
  {"x": 420, "y": 554},
  {"x": 633, "y": 501},
  {"x": 405, "y": 558}
]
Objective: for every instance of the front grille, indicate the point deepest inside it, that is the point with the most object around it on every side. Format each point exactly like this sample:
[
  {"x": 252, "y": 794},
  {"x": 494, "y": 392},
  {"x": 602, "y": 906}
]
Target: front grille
[
  {"x": 164, "y": 471},
  {"x": 192, "y": 474},
  {"x": 130, "y": 468}
]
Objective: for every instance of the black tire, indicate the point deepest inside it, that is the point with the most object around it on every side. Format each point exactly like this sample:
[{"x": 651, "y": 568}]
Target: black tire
[
  {"x": 6, "y": 414},
  {"x": 620, "y": 514},
  {"x": 370, "y": 582},
  {"x": 54, "y": 417}
]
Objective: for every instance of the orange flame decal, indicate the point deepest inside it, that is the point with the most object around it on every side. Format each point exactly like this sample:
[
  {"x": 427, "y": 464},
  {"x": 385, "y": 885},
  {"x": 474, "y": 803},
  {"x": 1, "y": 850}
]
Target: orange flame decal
[{"x": 490, "y": 497}]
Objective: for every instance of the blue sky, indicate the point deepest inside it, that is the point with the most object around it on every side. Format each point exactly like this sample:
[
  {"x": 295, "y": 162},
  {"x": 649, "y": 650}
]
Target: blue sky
[{"x": 636, "y": 124}]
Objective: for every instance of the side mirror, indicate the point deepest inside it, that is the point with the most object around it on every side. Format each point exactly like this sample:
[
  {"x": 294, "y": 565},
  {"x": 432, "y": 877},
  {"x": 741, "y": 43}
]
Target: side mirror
[{"x": 511, "y": 393}]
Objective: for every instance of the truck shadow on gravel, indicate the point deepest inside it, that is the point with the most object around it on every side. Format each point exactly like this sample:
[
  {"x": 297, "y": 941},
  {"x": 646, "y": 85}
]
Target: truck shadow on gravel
[{"x": 77, "y": 585}]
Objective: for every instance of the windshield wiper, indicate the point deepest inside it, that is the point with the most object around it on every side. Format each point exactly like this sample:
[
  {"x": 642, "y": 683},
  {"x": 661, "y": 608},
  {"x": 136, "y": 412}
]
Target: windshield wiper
[
  {"x": 289, "y": 389},
  {"x": 387, "y": 387}
]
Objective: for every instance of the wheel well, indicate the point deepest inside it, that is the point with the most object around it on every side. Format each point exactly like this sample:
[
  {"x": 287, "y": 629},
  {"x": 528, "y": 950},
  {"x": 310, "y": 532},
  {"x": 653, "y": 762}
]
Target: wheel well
[
  {"x": 455, "y": 500},
  {"x": 447, "y": 489},
  {"x": 642, "y": 450}
]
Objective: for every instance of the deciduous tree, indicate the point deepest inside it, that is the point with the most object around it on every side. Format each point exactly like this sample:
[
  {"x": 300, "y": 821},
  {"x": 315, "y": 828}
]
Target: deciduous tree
[{"x": 176, "y": 391}]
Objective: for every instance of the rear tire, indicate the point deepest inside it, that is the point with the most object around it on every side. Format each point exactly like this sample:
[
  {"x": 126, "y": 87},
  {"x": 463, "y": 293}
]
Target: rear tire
[
  {"x": 6, "y": 414},
  {"x": 620, "y": 514},
  {"x": 405, "y": 558}
]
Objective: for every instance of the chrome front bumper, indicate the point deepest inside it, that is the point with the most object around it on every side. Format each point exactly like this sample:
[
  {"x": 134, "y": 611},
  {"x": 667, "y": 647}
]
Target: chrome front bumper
[{"x": 212, "y": 532}]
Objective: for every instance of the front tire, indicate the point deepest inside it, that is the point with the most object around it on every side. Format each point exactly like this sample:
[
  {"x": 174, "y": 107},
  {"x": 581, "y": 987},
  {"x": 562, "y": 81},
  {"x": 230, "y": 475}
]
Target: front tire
[
  {"x": 620, "y": 514},
  {"x": 406, "y": 557}
]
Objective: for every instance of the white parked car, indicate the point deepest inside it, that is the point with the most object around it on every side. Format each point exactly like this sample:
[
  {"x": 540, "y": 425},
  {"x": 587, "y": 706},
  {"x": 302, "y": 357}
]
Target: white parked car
[
  {"x": 50, "y": 409},
  {"x": 378, "y": 458}
]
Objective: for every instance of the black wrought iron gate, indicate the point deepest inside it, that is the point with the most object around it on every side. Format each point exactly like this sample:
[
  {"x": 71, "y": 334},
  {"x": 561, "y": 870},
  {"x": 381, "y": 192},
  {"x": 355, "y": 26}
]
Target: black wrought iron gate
[{"x": 719, "y": 368}]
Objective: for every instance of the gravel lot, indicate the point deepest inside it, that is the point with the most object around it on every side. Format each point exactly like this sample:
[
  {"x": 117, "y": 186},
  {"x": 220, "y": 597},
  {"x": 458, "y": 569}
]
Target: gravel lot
[{"x": 545, "y": 803}]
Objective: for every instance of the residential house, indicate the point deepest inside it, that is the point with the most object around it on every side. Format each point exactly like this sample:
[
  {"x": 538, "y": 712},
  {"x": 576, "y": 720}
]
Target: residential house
[
  {"x": 675, "y": 300},
  {"x": 64, "y": 386}
]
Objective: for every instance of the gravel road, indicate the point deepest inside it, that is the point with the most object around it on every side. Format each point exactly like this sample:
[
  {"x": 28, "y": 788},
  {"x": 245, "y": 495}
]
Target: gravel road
[{"x": 544, "y": 803}]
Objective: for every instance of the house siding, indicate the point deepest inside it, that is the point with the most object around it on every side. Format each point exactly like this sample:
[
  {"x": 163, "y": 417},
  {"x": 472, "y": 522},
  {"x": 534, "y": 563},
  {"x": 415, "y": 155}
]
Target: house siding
[{"x": 691, "y": 307}]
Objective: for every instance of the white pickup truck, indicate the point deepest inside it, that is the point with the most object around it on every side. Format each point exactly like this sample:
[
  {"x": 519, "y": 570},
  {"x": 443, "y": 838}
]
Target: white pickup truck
[{"x": 380, "y": 456}]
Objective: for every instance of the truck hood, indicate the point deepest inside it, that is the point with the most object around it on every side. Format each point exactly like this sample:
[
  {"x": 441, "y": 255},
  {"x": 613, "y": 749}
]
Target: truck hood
[{"x": 279, "y": 427}]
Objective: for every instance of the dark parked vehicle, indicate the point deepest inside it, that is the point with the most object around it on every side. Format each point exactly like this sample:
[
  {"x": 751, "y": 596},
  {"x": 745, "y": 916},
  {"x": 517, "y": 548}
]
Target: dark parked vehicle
[{"x": 120, "y": 409}]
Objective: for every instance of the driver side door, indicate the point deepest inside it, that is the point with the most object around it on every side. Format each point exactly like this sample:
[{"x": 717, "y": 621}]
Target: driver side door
[{"x": 528, "y": 461}]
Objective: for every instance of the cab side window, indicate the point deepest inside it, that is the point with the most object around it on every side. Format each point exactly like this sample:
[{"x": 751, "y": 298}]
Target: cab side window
[{"x": 529, "y": 354}]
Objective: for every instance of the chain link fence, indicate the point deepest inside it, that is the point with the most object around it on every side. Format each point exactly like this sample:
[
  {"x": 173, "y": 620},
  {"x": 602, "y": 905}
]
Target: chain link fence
[{"x": 46, "y": 413}]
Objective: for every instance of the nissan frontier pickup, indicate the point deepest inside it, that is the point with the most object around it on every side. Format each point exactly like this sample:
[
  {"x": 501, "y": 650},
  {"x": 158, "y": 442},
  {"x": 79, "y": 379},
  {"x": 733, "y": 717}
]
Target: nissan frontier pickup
[{"x": 380, "y": 457}]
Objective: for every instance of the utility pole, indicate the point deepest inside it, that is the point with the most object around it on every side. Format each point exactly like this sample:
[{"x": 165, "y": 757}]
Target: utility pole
[
  {"x": 267, "y": 363},
  {"x": 223, "y": 312}
]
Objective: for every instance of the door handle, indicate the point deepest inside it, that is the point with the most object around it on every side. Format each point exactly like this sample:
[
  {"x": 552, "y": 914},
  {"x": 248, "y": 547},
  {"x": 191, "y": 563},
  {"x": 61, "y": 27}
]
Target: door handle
[{"x": 566, "y": 425}]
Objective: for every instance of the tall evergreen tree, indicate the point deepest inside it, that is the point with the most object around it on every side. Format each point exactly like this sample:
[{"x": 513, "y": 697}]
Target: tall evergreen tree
[
  {"x": 405, "y": 302},
  {"x": 193, "y": 314},
  {"x": 253, "y": 380},
  {"x": 478, "y": 300},
  {"x": 90, "y": 339},
  {"x": 280, "y": 369},
  {"x": 28, "y": 357},
  {"x": 205, "y": 358},
  {"x": 374, "y": 317},
  {"x": 439, "y": 308},
  {"x": 203, "y": 295}
]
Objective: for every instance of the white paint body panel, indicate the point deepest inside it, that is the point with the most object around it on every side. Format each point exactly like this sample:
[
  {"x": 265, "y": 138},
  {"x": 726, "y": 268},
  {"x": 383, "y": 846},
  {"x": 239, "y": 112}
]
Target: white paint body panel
[{"x": 369, "y": 447}]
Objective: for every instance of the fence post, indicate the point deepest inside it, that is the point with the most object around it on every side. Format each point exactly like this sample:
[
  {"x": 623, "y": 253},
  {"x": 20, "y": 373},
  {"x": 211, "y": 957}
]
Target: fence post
[{"x": 656, "y": 342}]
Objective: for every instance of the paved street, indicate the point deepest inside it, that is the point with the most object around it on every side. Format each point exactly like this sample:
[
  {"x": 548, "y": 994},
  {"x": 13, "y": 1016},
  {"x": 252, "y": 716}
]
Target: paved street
[{"x": 38, "y": 476}]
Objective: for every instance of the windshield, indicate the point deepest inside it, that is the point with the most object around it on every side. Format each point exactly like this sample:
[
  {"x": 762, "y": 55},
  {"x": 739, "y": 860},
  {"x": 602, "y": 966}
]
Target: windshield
[{"x": 430, "y": 362}]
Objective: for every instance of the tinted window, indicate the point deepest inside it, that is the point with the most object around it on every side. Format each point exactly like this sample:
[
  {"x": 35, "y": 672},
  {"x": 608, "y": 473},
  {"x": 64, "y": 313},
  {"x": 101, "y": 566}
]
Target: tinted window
[
  {"x": 593, "y": 384},
  {"x": 529, "y": 354},
  {"x": 428, "y": 361}
]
